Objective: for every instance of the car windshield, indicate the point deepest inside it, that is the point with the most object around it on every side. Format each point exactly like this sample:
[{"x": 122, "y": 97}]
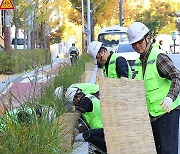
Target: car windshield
[
  {"x": 112, "y": 39},
  {"x": 125, "y": 48},
  {"x": 19, "y": 41}
]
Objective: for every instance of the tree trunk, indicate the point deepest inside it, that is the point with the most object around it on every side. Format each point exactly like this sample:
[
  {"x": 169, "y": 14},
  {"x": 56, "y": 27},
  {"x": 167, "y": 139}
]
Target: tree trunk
[
  {"x": 7, "y": 25},
  {"x": 7, "y": 38},
  {"x": 25, "y": 32},
  {"x": 43, "y": 43},
  {"x": 33, "y": 32}
]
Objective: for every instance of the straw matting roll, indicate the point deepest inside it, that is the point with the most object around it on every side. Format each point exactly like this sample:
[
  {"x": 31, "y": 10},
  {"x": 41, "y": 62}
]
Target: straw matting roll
[
  {"x": 68, "y": 122},
  {"x": 125, "y": 117}
]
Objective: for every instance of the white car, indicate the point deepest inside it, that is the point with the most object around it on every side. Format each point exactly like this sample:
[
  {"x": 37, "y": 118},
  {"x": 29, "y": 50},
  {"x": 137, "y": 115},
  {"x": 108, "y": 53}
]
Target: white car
[
  {"x": 126, "y": 50},
  {"x": 20, "y": 43}
]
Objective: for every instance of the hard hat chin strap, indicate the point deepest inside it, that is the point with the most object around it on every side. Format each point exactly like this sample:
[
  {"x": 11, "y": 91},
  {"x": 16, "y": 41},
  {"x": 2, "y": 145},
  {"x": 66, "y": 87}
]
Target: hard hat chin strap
[{"x": 147, "y": 44}]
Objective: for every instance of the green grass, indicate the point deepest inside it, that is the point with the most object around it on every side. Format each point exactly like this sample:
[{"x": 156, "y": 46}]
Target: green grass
[{"x": 46, "y": 136}]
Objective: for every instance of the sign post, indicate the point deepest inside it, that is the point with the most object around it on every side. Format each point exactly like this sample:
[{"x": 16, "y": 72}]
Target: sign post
[
  {"x": 174, "y": 39},
  {"x": 7, "y": 5}
]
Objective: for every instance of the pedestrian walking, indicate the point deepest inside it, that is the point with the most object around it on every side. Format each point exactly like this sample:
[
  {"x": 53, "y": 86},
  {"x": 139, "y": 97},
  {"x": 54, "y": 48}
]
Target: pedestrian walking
[
  {"x": 113, "y": 65},
  {"x": 162, "y": 87}
]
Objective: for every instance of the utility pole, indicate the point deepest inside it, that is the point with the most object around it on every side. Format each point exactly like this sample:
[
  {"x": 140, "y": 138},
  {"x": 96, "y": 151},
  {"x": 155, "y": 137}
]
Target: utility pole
[
  {"x": 120, "y": 12},
  {"x": 89, "y": 21},
  {"x": 82, "y": 7},
  {"x": 92, "y": 22}
]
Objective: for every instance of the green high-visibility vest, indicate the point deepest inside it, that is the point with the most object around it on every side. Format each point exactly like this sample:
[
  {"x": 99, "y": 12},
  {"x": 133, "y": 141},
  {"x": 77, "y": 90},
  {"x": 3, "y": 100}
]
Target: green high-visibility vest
[
  {"x": 156, "y": 87},
  {"x": 155, "y": 45},
  {"x": 87, "y": 88},
  {"x": 112, "y": 68},
  {"x": 93, "y": 119}
]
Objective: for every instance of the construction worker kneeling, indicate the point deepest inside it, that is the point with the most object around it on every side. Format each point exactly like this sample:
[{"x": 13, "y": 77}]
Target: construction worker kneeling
[{"x": 89, "y": 108}]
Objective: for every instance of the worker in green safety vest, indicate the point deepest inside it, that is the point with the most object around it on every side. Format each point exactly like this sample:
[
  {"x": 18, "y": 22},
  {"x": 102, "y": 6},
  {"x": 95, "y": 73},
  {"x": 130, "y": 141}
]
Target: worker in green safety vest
[
  {"x": 114, "y": 66},
  {"x": 87, "y": 88},
  {"x": 88, "y": 106},
  {"x": 162, "y": 87}
]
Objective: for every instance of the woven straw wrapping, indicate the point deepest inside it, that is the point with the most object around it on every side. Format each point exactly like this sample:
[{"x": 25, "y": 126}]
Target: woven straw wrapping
[
  {"x": 68, "y": 122},
  {"x": 125, "y": 117}
]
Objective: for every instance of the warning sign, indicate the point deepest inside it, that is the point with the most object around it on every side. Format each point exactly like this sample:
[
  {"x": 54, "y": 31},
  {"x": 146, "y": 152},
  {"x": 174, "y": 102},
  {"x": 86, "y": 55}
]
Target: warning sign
[{"x": 6, "y": 5}]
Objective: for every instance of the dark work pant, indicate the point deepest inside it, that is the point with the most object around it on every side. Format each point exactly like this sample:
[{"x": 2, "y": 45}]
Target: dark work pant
[
  {"x": 96, "y": 137},
  {"x": 166, "y": 131}
]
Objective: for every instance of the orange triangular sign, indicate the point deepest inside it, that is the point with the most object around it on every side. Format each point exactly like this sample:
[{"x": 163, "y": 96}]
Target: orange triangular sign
[{"x": 6, "y": 5}]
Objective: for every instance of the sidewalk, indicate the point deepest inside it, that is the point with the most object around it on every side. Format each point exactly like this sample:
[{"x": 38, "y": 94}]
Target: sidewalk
[{"x": 17, "y": 89}]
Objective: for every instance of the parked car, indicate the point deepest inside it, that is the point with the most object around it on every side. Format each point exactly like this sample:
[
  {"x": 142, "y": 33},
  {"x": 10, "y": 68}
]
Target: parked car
[
  {"x": 126, "y": 50},
  {"x": 20, "y": 43}
]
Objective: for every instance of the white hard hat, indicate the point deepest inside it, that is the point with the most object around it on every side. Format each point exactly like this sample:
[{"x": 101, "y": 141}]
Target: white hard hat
[
  {"x": 93, "y": 48},
  {"x": 136, "y": 32},
  {"x": 58, "y": 92},
  {"x": 70, "y": 93}
]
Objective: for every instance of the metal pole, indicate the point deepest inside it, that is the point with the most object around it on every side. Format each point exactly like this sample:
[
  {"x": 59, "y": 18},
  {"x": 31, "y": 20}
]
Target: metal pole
[
  {"x": 179, "y": 42},
  {"x": 120, "y": 12},
  {"x": 82, "y": 26},
  {"x": 174, "y": 45},
  {"x": 88, "y": 21}
]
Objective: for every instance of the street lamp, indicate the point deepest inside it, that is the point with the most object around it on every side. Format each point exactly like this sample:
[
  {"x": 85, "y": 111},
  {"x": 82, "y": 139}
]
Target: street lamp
[
  {"x": 120, "y": 12},
  {"x": 82, "y": 3},
  {"x": 82, "y": 14}
]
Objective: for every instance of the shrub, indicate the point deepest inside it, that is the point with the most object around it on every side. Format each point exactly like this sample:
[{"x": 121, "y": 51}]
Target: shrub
[
  {"x": 6, "y": 63},
  {"x": 18, "y": 61}
]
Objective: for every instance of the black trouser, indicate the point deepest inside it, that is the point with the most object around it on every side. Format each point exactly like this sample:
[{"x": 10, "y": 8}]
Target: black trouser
[
  {"x": 166, "y": 132},
  {"x": 96, "y": 137}
]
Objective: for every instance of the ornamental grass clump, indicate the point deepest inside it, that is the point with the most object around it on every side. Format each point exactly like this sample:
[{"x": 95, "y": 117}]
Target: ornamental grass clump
[{"x": 42, "y": 134}]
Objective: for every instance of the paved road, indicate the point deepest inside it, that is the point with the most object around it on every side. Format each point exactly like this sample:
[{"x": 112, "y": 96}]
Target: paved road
[{"x": 176, "y": 59}]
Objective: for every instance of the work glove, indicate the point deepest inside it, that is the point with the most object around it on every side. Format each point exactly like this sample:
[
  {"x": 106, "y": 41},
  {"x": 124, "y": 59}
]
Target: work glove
[
  {"x": 79, "y": 137},
  {"x": 166, "y": 104}
]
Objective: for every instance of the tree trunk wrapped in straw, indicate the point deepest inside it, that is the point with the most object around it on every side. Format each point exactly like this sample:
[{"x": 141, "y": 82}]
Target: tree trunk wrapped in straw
[{"x": 68, "y": 122}]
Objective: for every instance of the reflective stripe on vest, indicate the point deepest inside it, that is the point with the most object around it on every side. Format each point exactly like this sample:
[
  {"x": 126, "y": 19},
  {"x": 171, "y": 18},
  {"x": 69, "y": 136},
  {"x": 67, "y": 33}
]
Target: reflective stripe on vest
[
  {"x": 93, "y": 119},
  {"x": 156, "y": 87},
  {"x": 112, "y": 68}
]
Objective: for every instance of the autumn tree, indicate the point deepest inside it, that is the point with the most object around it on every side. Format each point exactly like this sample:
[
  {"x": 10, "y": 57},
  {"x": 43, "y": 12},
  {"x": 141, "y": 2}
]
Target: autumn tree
[{"x": 157, "y": 16}]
